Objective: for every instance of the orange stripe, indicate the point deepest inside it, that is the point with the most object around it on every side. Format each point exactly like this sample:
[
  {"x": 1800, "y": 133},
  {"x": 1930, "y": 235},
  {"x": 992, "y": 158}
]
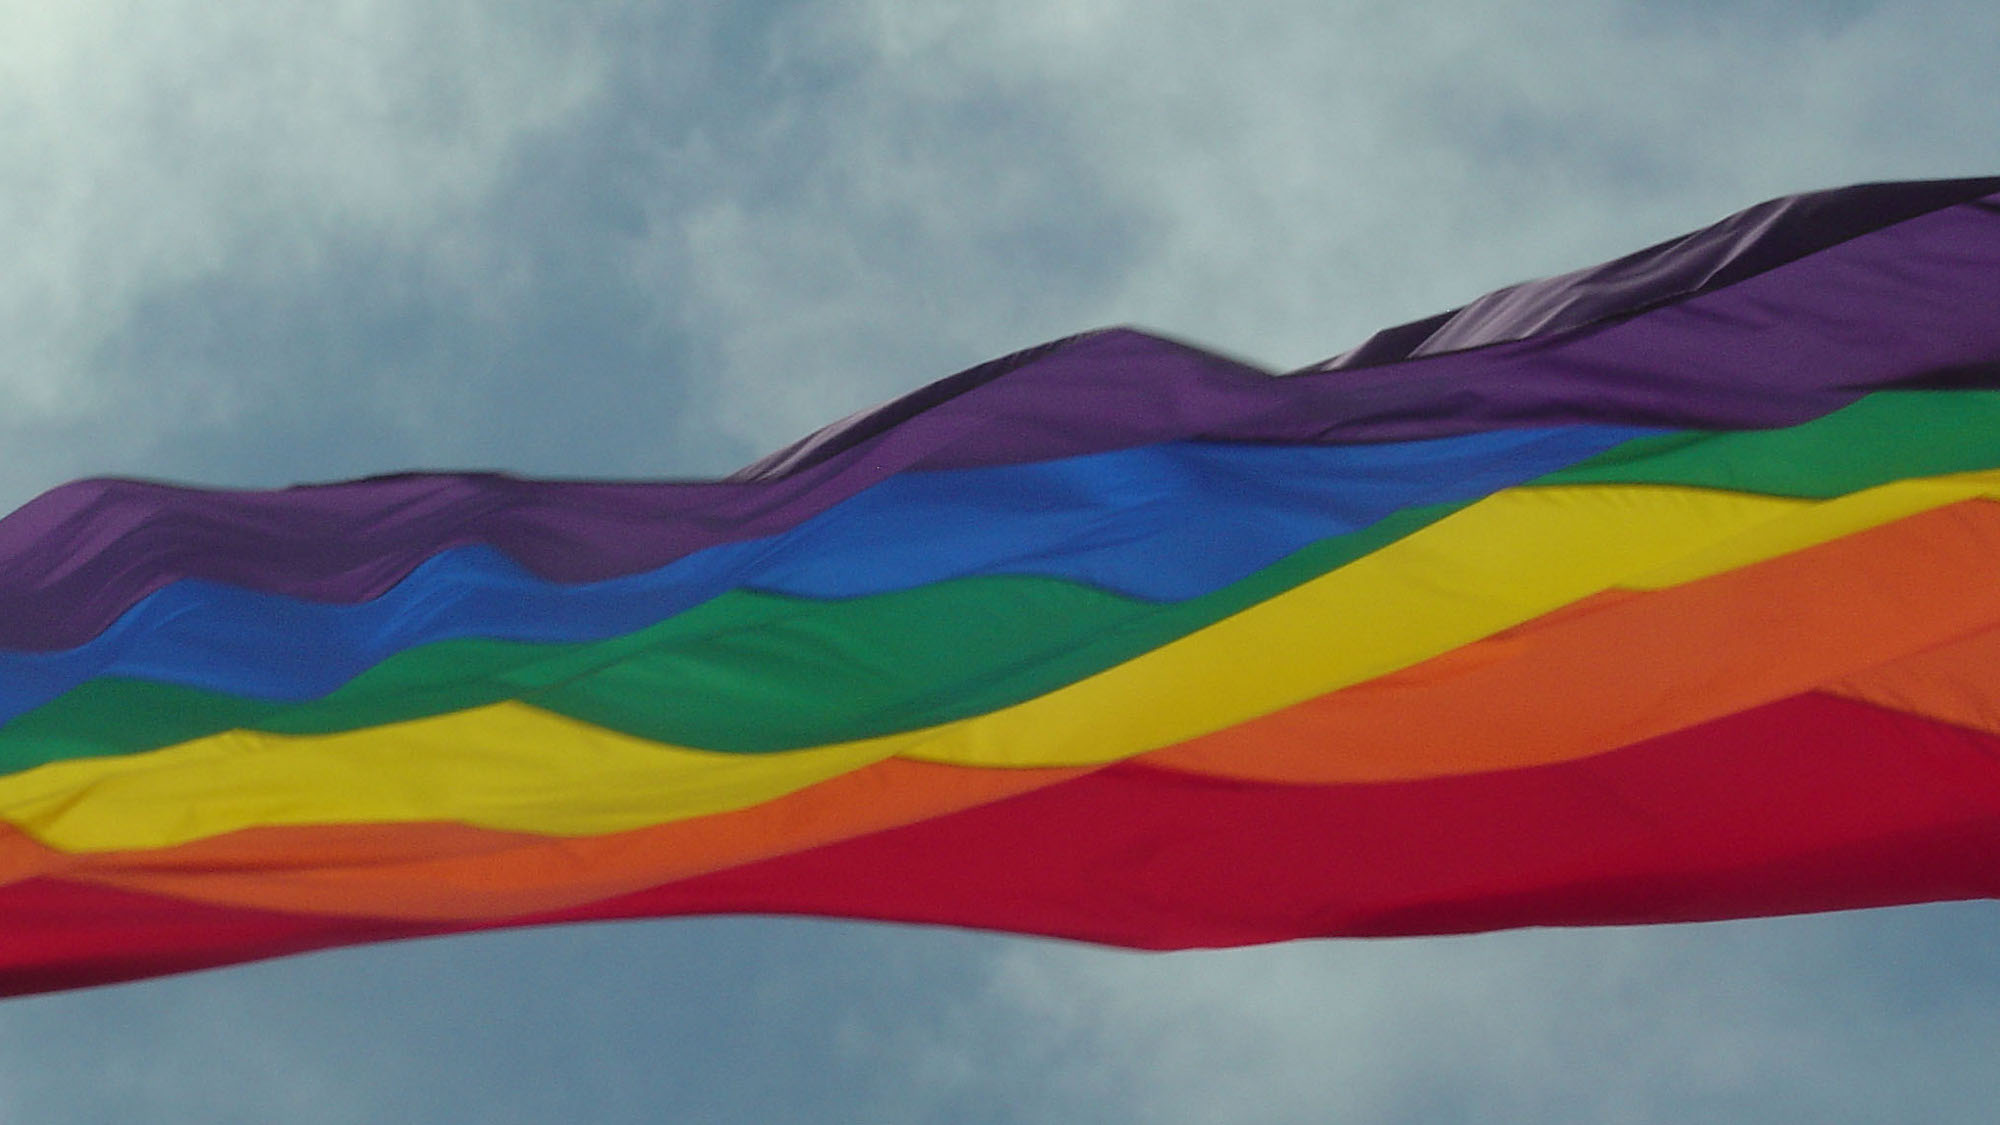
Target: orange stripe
[
  {"x": 1625, "y": 666},
  {"x": 1610, "y": 671},
  {"x": 22, "y": 857},
  {"x": 455, "y": 872},
  {"x": 1957, "y": 683}
]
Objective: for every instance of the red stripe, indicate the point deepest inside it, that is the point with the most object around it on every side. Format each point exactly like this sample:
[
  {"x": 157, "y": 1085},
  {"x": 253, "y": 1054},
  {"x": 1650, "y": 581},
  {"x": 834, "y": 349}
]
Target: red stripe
[
  {"x": 60, "y": 935},
  {"x": 1814, "y": 803}
]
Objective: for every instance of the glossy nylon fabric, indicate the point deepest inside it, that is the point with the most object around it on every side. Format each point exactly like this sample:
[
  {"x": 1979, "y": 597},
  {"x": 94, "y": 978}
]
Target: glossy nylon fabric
[
  {"x": 1506, "y": 560},
  {"x": 1898, "y": 305},
  {"x": 1696, "y": 834},
  {"x": 1790, "y": 622},
  {"x": 1161, "y": 523},
  {"x": 1508, "y": 702},
  {"x": 960, "y": 659},
  {"x": 269, "y": 648}
]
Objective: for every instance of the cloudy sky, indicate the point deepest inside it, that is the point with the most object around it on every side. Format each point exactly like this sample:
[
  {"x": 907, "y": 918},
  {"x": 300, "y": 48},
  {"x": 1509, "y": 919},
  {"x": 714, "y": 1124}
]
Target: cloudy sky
[{"x": 260, "y": 244}]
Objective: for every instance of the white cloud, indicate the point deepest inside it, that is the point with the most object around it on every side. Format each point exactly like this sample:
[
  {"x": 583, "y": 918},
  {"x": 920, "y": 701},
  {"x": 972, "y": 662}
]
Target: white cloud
[
  {"x": 1795, "y": 1019},
  {"x": 1275, "y": 180},
  {"x": 150, "y": 146},
  {"x": 870, "y": 194}
]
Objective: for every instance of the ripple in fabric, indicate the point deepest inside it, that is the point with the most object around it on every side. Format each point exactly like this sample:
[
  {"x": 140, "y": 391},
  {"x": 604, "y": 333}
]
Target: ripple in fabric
[{"x": 1659, "y": 591}]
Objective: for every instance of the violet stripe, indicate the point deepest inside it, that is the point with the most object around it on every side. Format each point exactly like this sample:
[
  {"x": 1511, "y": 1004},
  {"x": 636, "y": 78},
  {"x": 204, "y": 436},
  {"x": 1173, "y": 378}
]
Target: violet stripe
[{"x": 1914, "y": 303}]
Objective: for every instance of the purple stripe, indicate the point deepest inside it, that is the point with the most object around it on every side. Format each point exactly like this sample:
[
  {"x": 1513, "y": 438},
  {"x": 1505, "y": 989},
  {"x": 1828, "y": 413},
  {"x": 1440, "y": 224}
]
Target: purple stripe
[
  {"x": 1909, "y": 304},
  {"x": 1917, "y": 302},
  {"x": 1890, "y": 254},
  {"x": 1745, "y": 244}
]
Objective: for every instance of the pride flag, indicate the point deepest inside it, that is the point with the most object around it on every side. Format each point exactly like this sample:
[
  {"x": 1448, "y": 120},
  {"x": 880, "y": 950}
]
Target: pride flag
[{"x": 1664, "y": 590}]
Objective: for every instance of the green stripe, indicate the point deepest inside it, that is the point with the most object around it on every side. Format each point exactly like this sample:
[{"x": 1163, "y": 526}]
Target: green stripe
[
  {"x": 1890, "y": 435},
  {"x": 746, "y": 671},
  {"x": 755, "y": 672}
]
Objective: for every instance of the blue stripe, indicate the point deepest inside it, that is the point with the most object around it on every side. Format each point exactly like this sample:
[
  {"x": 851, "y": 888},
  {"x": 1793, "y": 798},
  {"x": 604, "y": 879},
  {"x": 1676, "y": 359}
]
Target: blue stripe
[{"x": 1161, "y": 523}]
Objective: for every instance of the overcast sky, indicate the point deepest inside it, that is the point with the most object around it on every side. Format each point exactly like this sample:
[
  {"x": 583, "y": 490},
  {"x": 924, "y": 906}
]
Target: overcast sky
[{"x": 259, "y": 244}]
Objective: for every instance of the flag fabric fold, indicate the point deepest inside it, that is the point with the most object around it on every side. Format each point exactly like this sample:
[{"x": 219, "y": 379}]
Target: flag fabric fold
[{"x": 1659, "y": 591}]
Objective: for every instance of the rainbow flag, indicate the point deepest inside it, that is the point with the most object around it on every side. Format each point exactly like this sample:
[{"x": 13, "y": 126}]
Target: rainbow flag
[{"x": 1664, "y": 590}]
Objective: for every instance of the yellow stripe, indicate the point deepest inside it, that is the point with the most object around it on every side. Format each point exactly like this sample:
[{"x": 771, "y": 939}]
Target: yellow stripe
[
  {"x": 507, "y": 766},
  {"x": 1510, "y": 558},
  {"x": 1819, "y": 522},
  {"x": 1495, "y": 564}
]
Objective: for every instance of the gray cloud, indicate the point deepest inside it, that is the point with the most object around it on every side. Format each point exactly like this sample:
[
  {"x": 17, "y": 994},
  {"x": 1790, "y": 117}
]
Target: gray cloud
[
  {"x": 297, "y": 242},
  {"x": 1859, "y": 1018},
  {"x": 1276, "y": 180},
  {"x": 156, "y": 149}
]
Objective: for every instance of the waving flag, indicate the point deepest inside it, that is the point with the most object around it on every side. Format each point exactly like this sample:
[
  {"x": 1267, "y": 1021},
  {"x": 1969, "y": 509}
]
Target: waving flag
[{"x": 1665, "y": 590}]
